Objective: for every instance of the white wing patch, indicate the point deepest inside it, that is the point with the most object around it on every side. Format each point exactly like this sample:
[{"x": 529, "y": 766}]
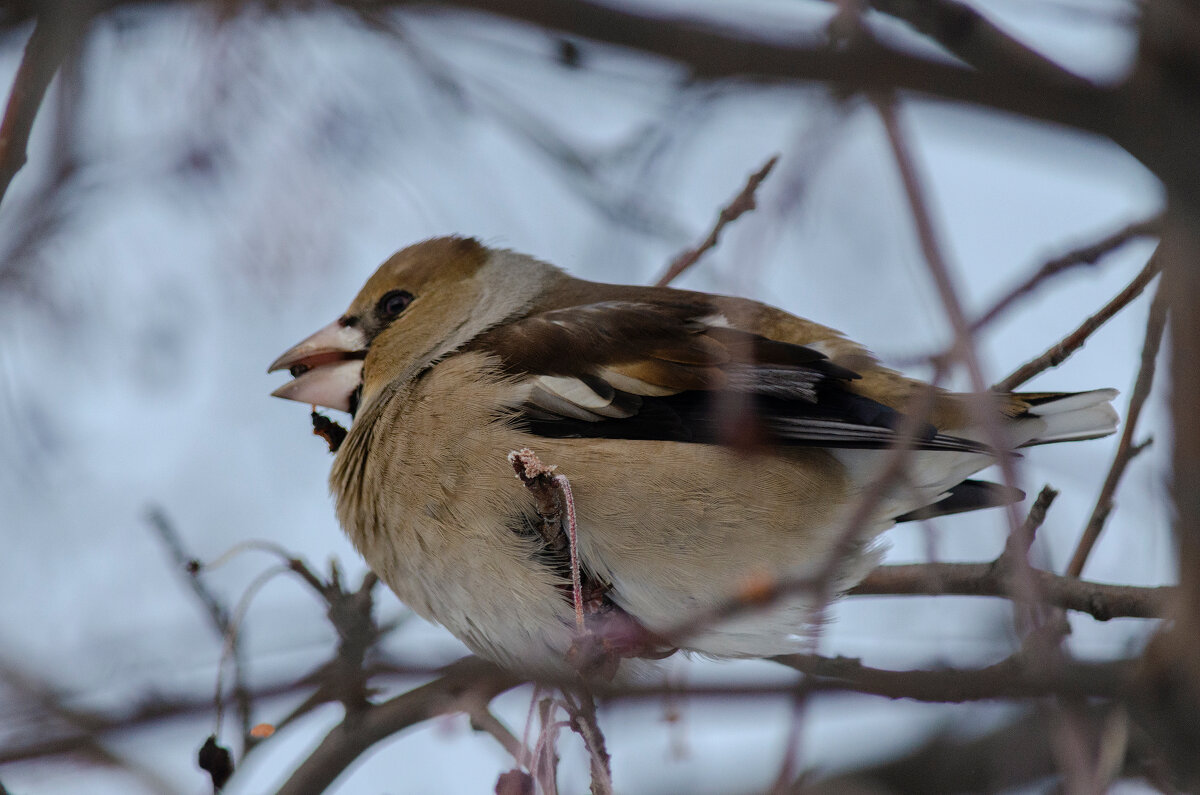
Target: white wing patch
[{"x": 634, "y": 386}]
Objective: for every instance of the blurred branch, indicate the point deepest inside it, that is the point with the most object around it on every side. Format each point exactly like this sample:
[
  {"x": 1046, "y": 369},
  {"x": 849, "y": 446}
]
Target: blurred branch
[
  {"x": 868, "y": 65},
  {"x": 1172, "y": 692},
  {"x": 218, "y": 614},
  {"x": 482, "y": 720},
  {"x": 975, "y": 39},
  {"x": 982, "y": 405},
  {"x": 57, "y": 29},
  {"x": 1016, "y": 755},
  {"x": 1126, "y": 449},
  {"x": 47, "y": 699},
  {"x": 462, "y": 685},
  {"x": 741, "y": 204},
  {"x": 714, "y": 53},
  {"x": 587, "y": 173}
]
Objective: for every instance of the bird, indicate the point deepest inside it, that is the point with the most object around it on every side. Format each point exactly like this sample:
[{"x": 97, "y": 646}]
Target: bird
[{"x": 709, "y": 441}]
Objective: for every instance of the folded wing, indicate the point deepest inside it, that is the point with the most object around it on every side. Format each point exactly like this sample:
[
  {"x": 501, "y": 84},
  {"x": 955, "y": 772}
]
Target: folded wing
[{"x": 677, "y": 372}]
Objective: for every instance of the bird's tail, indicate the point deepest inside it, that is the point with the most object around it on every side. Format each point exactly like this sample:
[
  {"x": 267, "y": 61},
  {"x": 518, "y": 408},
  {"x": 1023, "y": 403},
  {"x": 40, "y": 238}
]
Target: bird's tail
[
  {"x": 1033, "y": 418},
  {"x": 1066, "y": 416}
]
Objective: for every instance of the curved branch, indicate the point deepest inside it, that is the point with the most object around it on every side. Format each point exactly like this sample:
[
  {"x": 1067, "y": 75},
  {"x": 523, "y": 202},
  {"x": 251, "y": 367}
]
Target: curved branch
[{"x": 461, "y": 688}]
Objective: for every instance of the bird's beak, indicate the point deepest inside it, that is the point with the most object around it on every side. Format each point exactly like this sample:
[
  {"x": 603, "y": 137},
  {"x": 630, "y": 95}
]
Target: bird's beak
[{"x": 326, "y": 367}]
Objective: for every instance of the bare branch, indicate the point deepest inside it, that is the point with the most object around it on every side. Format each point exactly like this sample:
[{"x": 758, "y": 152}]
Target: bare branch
[
  {"x": 56, "y": 31},
  {"x": 1085, "y": 255},
  {"x": 581, "y": 707},
  {"x": 741, "y": 204},
  {"x": 218, "y": 614},
  {"x": 86, "y": 742},
  {"x": 466, "y": 683},
  {"x": 1126, "y": 449},
  {"x": 1099, "y": 600},
  {"x": 1062, "y": 350},
  {"x": 482, "y": 720},
  {"x": 1014, "y": 677},
  {"x": 1015, "y": 755},
  {"x": 975, "y": 39}
]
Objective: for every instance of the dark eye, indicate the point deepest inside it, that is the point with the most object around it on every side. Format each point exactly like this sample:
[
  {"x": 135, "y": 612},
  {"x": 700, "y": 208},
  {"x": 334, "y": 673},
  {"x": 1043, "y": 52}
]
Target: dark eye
[{"x": 393, "y": 303}]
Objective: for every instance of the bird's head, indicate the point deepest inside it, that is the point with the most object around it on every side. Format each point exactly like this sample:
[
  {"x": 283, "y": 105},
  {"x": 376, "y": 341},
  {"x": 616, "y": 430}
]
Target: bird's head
[{"x": 423, "y": 303}]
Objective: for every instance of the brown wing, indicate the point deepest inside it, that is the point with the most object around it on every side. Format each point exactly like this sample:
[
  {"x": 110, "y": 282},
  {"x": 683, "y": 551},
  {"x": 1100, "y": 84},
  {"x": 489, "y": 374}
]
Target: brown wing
[{"x": 670, "y": 371}]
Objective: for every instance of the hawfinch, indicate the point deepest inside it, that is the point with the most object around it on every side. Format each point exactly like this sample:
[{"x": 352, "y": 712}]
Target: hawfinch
[{"x": 709, "y": 441}]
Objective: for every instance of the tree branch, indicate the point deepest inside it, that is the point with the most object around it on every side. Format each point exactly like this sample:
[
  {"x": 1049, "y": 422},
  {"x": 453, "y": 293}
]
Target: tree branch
[
  {"x": 1013, "y": 677},
  {"x": 714, "y": 53},
  {"x": 1084, "y": 255},
  {"x": 55, "y": 33},
  {"x": 1126, "y": 449},
  {"x": 1099, "y": 600},
  {"x": 975, "y": 39},
  {"x": 218, "y": 614},
  {"x": 739, "y": 205},
  {"x": 1016, "y": 755},
  {"x": 462, "y": 686},
  {"x": 1062, "y": 350}
]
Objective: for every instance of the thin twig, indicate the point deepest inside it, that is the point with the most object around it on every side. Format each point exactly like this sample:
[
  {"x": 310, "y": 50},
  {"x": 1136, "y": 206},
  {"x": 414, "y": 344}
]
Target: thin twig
[
  {"x": 1020, "y": 544},
  {"x": 483, "y": 720},
  {"x": 1126, "y": 449},
  {"x": 742, "y": 203},
  {"x": 1059, "y": 353},
  {"x": 218, "y": 614},
  {"x": 581, "y": 707},
  {"x": 545, "y": 759},
  {"x": 1084, "y": 255}
]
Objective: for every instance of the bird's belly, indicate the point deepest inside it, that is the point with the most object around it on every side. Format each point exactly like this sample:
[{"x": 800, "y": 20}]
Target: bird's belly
[{"x": 673, "y": 527}]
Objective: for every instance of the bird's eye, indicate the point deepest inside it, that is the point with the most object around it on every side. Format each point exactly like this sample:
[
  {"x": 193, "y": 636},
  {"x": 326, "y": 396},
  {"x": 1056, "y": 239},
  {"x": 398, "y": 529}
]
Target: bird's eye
[{"x": 393, "y": 303}]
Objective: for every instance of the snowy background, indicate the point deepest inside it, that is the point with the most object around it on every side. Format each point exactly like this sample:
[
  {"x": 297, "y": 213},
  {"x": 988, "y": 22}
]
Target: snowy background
[{"x": 231, "y": 185}]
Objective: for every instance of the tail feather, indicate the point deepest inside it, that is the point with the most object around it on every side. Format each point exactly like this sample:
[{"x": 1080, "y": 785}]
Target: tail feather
[
  {"x": 970, "y": 495},
  {"x": 1071, "y": 416}
]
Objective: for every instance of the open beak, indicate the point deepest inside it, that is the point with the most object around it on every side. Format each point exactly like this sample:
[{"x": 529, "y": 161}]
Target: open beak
[{"x": 326, "y": 368}]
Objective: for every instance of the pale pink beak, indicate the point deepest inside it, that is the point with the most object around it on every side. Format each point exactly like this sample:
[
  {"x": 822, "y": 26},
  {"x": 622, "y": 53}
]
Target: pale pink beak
[{"x": 327, "y": 367}]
